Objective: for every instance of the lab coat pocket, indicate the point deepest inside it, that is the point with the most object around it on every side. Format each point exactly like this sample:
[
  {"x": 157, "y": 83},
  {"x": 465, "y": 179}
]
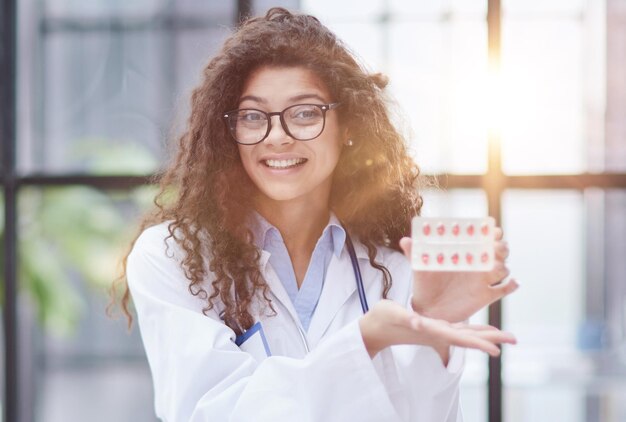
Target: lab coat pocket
[{"x": 253, "y": 341}]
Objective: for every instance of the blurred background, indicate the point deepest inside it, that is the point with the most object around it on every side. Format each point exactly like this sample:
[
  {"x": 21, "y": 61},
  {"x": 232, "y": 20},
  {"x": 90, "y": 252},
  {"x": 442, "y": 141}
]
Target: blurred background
[{"x": 517, "y": 106}]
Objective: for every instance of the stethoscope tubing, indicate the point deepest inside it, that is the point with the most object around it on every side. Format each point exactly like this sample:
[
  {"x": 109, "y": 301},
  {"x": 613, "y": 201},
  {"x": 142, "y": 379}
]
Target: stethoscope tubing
[{"x": 357, "y": 274}]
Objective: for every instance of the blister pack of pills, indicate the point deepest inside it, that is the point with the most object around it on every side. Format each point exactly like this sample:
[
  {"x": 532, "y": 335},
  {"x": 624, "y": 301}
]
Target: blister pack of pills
[{"x": 453, "y": 244}]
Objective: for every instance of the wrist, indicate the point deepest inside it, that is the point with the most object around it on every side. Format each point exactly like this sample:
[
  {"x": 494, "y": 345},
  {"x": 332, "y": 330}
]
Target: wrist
[{"x": 370, "y": 339}]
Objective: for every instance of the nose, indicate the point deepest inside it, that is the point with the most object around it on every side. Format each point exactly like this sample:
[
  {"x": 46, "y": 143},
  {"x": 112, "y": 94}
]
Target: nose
[{"x": 277, "y": 135}]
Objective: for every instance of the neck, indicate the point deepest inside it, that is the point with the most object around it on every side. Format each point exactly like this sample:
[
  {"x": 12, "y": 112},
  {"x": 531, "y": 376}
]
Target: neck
[{"x": 300, "y": 222}]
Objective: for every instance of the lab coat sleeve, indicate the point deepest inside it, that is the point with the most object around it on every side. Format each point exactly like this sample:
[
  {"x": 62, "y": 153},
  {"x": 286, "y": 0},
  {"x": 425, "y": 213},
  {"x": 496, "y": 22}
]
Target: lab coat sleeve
[
  {"x": 419, "y": 385},
  {"x": 199, "y": 374}
]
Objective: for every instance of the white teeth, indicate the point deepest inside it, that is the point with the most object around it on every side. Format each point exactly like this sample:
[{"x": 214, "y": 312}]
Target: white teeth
[{"x": 280, "y": 164}]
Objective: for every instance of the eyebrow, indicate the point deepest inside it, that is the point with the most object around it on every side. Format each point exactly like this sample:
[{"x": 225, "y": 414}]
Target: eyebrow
[{"x": 292, "y": 99}]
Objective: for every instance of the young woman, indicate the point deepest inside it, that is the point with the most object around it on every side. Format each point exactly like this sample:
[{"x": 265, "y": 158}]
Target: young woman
[{"x": 289, "y": 200}]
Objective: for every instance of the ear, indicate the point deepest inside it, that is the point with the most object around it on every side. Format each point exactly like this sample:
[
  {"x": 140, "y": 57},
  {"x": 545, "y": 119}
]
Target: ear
[{"x": 345, "y": 136}]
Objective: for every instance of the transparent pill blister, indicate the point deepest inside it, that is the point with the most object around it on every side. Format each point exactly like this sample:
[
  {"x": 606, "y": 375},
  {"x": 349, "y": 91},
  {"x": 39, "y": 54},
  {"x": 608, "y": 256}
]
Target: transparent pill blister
[{"x": 453, "y": 244}]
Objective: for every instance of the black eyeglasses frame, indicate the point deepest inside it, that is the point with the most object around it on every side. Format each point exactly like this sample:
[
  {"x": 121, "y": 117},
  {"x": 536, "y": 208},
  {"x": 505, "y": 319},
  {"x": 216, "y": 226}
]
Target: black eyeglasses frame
[{"x": 280, "y": 114}]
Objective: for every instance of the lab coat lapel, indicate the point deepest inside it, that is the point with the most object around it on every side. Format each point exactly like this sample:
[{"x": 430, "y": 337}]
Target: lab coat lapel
[
  {"x": 339, "y": 285},
  {"x": 276, "y": 287}
]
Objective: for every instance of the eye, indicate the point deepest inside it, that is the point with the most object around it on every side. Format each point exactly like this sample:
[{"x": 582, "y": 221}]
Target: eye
[
  {"x": 251, "y": 116},
  {"x": 305, "y": 113}
]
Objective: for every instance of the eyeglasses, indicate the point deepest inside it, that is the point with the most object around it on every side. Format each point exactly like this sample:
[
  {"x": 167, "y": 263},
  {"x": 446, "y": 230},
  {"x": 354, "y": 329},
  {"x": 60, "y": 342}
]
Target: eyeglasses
[{"x": 303, "y": 122}]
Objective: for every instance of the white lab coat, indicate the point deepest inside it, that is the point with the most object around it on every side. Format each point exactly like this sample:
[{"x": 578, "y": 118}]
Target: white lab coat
[{"x": 200, "y": 374}]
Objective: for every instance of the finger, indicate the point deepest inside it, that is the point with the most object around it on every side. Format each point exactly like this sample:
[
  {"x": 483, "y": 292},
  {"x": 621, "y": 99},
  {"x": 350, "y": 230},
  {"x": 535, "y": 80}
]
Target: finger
[
  {"x": 476, "y": 327},
  {"x": 501, "y": 250},
  {"x": 484, "y": 339},
  {"x": 479, "y": 344},
  {"x": 488, "y": 332},
  {"x": 498, "y": 233},
  {"x": 493, "y": 337},
  {"x": 503, "y": 289},
  {"x": 405, "y": 245},
  {"x": 498, "y": 273},
  {"x": 496, "y": 336},
  {"x": 462, "y": 338}
]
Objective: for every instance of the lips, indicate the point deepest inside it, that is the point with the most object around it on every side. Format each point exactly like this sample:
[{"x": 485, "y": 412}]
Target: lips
[{"x": 283, "y": 163}]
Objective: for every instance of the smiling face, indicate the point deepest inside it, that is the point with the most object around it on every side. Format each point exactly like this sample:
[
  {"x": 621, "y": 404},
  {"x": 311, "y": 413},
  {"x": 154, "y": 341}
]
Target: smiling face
[{"x": 282, "y": 168}]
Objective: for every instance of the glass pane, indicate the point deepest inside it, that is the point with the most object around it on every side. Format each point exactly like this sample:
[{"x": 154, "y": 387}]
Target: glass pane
[
  {"x": 85, "y": 365},
  {"x": 103, "y": 94},
  {"x": 440, "y": 85},
  {"x": 91, "y": 9},
  {"x": 465, "y": 203},
  {"x": 544, "y": 404},
  {"x": 608, "y": 402},
  {"x": 553, "y": 87},
  {"x": 471, "y": 203},
  {"x": 567, "y": 250},
  {"x": 101, "y": 85},
  {"x": 194, "y": 49},
  {"x": 365, "y": 39},
  {"x": 396, "y": 9},
  {"x": 545, "y": 234},
  {"x": 212, "y": 11},
  {"x": 259, "y": 7},
  {"x": 330, "y": 10},
  {"x": 614, "y": 153},
  {"x": 436, "y": 57},
  {"x": 543, "y": 6},
  {"x": 439, "y": 8}
]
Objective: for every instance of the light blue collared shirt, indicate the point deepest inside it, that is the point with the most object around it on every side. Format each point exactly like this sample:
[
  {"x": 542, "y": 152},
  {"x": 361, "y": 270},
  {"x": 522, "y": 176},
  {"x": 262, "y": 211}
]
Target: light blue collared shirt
[{"x": 305, "y": 299}]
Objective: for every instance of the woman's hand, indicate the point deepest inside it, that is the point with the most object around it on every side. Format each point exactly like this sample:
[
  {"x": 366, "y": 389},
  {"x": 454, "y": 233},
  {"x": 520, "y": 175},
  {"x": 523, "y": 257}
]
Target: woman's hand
[
  {"x": 455, "y": 296},
  {"x": 388, "y": 323}
]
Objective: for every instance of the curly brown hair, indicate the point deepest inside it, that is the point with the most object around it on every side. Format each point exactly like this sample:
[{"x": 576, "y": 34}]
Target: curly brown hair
[{"x": 374, "y": 190}]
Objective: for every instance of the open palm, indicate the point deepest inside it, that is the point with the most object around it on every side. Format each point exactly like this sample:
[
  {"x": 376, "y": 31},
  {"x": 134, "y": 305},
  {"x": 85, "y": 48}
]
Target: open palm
[
  {"x": 389, "y": 323},
  {"x": 455, "y": 296}
]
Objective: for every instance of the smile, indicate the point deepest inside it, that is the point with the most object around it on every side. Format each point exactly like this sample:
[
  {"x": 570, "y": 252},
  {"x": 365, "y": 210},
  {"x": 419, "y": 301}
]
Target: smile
[{"x": 284, "y": 164}]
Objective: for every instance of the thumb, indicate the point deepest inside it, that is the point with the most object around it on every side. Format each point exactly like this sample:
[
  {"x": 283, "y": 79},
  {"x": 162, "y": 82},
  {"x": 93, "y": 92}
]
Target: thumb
[{"x": 405, "y": 245}]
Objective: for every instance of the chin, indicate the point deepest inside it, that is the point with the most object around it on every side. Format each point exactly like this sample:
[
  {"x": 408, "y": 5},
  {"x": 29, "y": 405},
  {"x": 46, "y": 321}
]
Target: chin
[
  {"x": 281, "y": 195},
  {"x": 282, "y": 192}
]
